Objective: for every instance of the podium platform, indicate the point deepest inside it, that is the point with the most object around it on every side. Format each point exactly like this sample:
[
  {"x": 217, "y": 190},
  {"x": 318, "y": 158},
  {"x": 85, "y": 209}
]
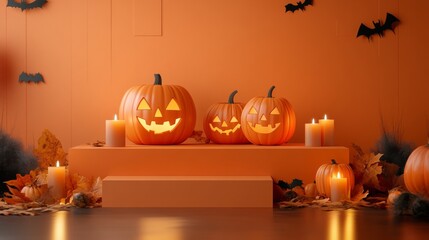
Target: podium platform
[{"x": 284, "y": 162}]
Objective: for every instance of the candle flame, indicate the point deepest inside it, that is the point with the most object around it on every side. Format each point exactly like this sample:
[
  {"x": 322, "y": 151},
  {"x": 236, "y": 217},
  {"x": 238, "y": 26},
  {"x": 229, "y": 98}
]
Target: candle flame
[
  {"x": 58, "y": 163},
  {"x": 338, "y": 175},
  {"x": 326, "y": 117},
  {"x": 116, "y": 117},
  {"x": 312, "y": 122}
]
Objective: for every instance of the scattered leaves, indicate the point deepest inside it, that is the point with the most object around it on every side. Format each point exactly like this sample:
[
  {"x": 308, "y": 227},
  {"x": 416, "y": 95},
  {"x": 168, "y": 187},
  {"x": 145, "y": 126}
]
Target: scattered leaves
[
  {"x": 98, "y": 143},
  {"x": 199, "y": 138},
  {"x": 30, "y": 209},
  {"x": 15, "y": 186}
]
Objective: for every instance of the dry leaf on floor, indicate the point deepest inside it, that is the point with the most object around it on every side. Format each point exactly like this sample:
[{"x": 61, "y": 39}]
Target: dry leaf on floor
[
  {"x": 15, "y": 186},
  {"x": 358, "y": 193}
]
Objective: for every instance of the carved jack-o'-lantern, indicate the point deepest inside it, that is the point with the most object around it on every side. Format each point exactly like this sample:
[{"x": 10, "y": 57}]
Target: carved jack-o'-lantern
[
  {"x": 268, "y": 120},
  {"x": 223, "y": 122},
  {"x": 158, "y": 114}
]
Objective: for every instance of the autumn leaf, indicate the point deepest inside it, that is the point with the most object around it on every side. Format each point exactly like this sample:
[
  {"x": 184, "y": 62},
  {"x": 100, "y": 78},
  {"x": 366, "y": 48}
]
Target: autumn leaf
[
  {"x": 15, "y": 186},
  {"x": 97, "y": 187},
  {"x": 372, "y": 169},
  {"x": 358, "y": 193},
  {"x": 49, "y": 150},
  {"x": 388, "y": 178}
]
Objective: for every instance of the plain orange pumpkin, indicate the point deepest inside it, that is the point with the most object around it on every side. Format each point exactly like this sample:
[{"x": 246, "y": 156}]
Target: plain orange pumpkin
[
  {"x": 325, "y": 173},
  {"x": 416, "y": 171},
  {"x": 222, "y": 123},
  {"x": 268, "y": 120},
  {"x": 158, "y": 114}
]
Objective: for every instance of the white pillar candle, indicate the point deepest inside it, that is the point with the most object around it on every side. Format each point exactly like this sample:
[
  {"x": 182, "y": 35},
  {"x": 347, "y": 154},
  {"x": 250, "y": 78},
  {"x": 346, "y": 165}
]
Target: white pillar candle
[
  {"x": 312, "y": 134},
  {"x": 57, "y": 181},
  {"x": 115, "y": 132},
  {"x": 339, "y": 190},
  {"x": 327, "y": 126}
]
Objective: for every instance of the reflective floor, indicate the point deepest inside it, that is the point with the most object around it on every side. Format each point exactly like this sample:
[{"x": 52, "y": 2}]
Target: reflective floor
[{"x": 223, "y": 223}]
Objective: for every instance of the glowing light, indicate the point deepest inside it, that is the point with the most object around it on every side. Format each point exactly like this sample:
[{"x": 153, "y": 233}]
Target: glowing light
[
  {"x": 313, "y": 122},
  {"x": 158, "y": 113},
  {"x": 227, "y": 132},
  {"x": 58, "y": 163},
  {"x": 334, "y": 225},
  {"x": 159, "y": 128},
  {"x": 173, "y": 106},
  {"x": 263, "y": 129},
  {"x": 115, "y": 117},
  {"x": 216, "y": 119},
  {"x": 275, "y": 111},
  {"x": 253, "y": 111},
  {"x": 161, "y": 228},
  {"x": 143, "y": 105},
  {"x": 326, "y": 117},
  {"x": 59, "y": 226}
]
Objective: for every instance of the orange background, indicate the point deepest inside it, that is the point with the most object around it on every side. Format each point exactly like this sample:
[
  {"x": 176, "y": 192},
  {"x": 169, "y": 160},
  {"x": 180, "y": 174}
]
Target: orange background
[{"x": 91, "y": 51}]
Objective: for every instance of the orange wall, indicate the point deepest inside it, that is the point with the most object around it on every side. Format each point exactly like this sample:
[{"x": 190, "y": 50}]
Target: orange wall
[{"x": 91, "y": 51}]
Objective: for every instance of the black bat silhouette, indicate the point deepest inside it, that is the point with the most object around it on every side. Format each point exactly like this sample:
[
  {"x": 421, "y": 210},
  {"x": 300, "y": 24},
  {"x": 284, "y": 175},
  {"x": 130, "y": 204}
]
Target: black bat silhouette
[
  {"x": 298, "y": 6},
  {"x": 28, "y": 78},
  {"x": 24, "y": 5},
  {"x": 379, "y": 28}
]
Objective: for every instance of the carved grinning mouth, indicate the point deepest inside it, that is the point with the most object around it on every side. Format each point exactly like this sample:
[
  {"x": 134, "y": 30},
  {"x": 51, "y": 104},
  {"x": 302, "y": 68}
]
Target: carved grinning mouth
[
  {"x": 158, "y": 128},
  {"x": 263, "y": 129},
  {"x": 227, "y": 132}
]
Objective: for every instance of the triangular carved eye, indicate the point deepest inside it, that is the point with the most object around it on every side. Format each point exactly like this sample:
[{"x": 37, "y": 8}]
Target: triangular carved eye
[
  {"x": 216, "y": 119},
  {"x": 253, "y": 111},
  {"x": 234, "y": 119},
  {"x": 143, "y": 105},
  {"x": 173, "y": 105},
  {"x": 275, "y": 111}
]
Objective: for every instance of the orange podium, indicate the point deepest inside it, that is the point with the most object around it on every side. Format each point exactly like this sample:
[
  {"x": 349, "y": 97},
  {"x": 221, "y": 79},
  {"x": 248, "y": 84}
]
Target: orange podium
[
  {"x": 188, "y": 191},
  {"x": 284, "y": 162}
]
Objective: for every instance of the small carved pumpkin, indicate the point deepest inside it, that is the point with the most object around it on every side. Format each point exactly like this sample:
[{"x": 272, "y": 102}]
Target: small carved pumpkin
[
  {"x": 268, "y": 120},
  {"x": 158, "y": 114},
  {"x": 223, "y": 122},
  {"x": 416, "y": 171},
  {"x": 325, "y": 173}
]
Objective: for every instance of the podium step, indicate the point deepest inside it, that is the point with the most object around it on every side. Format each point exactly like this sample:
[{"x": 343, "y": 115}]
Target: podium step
[
  {"x": 280, "y": 162},
  {"x": 187, "y": 191}
]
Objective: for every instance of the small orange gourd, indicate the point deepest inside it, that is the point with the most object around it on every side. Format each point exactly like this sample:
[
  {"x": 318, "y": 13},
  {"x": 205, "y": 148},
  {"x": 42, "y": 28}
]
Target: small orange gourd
[
  {"x": 325, "y": 173},
  {"x": 32, "y": 192},
  {"x": 311, "y": 190},
  {"x": 416, "y": 171}
]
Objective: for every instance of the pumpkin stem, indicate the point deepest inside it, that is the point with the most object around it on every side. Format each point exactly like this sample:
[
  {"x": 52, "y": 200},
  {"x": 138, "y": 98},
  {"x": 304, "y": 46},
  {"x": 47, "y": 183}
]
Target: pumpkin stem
[
  {"x": 231, "y": 97},
  {"x": 270, "y": 92},
  {"x": 158, "y": 79},
  {"x": 333, "y": 161}
]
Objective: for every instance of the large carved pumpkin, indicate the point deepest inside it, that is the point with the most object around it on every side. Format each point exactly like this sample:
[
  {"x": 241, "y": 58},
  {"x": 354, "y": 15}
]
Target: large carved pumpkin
[
  {"x": 158, "y": 114},
  {"x": 416, "y": 171},
  {"x": 222, "y": 123},
  {"x": 268, "y": 120}
]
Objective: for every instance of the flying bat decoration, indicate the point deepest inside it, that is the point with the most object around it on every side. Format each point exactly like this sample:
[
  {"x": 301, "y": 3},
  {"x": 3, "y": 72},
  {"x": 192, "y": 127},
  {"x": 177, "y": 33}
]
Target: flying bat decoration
[
  {"x": 29, "y": 78},
  {"x": 24, "y": 4},
  {"x": 298, "y": 6},
  {"x": 379, "y": 27}
]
